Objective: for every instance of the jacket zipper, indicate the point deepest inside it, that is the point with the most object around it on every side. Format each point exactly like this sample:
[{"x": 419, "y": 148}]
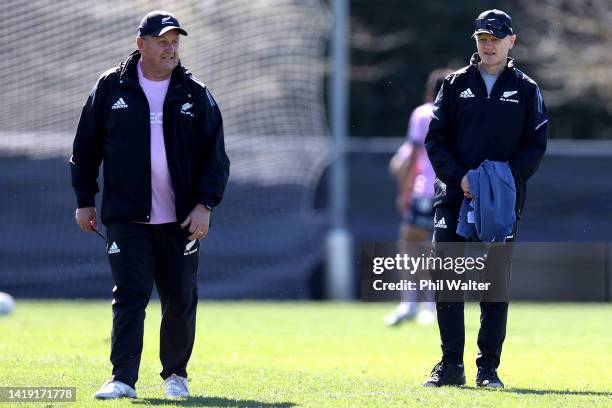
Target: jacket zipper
[
  {"x": 496, "y": 85},
  {"x": 130, "y": 83}
]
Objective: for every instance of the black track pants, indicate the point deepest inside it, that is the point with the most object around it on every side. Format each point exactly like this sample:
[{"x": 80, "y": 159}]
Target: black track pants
[
  {"x": 139, "y": 255},
  {"x": 493, "y": 315}
]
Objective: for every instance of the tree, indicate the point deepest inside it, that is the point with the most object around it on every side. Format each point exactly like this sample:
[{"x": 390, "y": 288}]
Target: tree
[{"x": 564, "y": 44}]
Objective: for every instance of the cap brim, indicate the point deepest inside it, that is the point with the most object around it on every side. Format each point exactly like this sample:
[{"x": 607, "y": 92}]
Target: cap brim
[
  {"x": 166, "y": 29},
  {"x": 495, "y": 33}
]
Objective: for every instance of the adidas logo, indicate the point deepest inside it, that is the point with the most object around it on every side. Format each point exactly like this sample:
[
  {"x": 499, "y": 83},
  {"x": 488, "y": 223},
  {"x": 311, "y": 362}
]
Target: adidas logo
[
  {"x": 441, "y": 223},
  {"x": 189, "y": 249},
  {"x": 120, "y": 104},
  {"x": 114, "y": 249},
  {"x": 185, "y": 108},
  {"x": 467, "y": 94}
]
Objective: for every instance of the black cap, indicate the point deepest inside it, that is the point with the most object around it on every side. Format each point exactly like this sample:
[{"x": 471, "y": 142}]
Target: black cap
[
  {"x": 494, "y": 22},
  {"x": 158, "y": 22}
]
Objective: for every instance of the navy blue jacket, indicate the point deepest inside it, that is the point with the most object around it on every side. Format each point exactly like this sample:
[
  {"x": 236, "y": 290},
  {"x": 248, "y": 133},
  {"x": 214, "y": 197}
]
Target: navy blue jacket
[
  {"x": 494, "y": 194},
  {"x": 121, "y": 138},
  {"x": 469, "y": 127}
]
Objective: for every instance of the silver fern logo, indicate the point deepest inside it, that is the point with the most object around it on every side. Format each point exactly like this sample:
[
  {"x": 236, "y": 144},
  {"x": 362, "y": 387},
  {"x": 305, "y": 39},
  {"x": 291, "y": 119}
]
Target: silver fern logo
[
  {"x": 189, "y": 248},
  {"x": 185, "y": 109}
]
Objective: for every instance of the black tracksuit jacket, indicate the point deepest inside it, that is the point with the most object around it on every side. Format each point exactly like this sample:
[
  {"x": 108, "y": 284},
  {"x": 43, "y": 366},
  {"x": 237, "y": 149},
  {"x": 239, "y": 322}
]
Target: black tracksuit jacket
[
  {"x": 469, "y": 127},
  {"x": 120, "y": 137}
]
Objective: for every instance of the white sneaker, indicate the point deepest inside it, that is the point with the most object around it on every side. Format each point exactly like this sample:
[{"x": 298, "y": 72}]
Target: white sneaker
[
  {"x": 426, "y": 317},
  {"x": 115, "y": 389},
  {"x": 176, "y": 386},
  {"x": 403, "y": 312}
]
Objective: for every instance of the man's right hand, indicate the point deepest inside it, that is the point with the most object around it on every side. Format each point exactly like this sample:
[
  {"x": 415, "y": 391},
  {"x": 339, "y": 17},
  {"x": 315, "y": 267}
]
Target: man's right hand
[
  {"x": 465, "y": 186},
  {"x": 86, "y": 218}
]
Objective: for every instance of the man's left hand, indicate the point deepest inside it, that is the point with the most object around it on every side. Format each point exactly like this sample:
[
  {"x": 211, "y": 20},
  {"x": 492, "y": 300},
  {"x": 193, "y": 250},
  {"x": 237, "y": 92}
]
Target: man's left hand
[
  {"x": 465, "y": 186},
  {"x": 198, "y": 221}
]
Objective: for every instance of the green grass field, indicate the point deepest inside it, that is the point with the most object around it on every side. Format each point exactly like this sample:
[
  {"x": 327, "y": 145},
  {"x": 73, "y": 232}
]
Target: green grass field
[{"x": 315, "y": 354}]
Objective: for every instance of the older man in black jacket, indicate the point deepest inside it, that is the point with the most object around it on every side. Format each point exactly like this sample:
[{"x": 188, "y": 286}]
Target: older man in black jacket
[
  {"x": 488, "y": 110},
  {"x": 159, "y": 133}
]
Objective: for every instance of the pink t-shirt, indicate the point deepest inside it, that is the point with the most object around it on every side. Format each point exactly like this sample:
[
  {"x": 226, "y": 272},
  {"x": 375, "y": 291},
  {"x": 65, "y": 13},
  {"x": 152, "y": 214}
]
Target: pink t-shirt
[
  {"x": 162, "y": 193},
  {"x": 417, "y": 130}
]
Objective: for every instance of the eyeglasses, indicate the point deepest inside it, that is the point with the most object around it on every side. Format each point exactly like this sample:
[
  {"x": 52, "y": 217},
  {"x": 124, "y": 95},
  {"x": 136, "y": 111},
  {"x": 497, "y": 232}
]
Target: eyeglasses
[{"x": 492, "y": 24}]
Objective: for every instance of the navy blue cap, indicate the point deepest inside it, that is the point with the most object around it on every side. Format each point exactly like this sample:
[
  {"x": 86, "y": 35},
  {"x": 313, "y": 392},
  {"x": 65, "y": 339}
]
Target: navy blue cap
[
  {"x": 158, "y": 22},
  {"x": 494, "y": 22}
]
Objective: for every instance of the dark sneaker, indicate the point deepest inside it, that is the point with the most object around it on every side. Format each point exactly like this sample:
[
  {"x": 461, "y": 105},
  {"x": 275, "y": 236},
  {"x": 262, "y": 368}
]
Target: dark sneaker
[
  {"x": 487, "y": 377},
  {"x": 446, "y": 374}
]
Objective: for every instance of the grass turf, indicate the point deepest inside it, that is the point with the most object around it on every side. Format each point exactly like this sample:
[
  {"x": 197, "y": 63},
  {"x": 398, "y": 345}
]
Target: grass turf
[{"x": 315, "y": 354}]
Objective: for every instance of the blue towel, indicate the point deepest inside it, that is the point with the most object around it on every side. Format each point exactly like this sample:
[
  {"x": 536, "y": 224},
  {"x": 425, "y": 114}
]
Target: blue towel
[{"x": 494, "y": 196}]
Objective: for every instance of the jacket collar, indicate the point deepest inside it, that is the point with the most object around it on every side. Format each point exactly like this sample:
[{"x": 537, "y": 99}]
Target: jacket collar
[
  {"x": 475, "y": 59},
  {"x": 128, "y": 71}
]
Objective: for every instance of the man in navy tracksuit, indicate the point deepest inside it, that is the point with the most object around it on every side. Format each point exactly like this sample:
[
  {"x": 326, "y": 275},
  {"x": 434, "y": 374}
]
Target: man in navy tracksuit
[
  {"x": 487, "y": 110},
  {"x": 159, "y": 133}
]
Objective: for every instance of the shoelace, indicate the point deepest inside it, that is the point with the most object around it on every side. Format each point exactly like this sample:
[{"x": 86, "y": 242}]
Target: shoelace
[
  {"x": 490, "y": 374},
  {"x": 177, "y": 386},
  {"x": 176, "y": 383},
  {"x": 438, "y": 370}
]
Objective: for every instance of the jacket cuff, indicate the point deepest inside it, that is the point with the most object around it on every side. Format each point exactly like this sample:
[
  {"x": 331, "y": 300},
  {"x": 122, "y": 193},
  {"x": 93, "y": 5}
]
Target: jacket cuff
[
  {"x": 207, "y": 202},
  {"x": 83, "y": 202},
  {"x": 458, "y": 175},
  {"x": 515, "y": 175}
]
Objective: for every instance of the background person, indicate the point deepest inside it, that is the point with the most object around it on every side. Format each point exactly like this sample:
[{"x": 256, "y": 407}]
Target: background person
[{"x": 415, "y": 181}]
